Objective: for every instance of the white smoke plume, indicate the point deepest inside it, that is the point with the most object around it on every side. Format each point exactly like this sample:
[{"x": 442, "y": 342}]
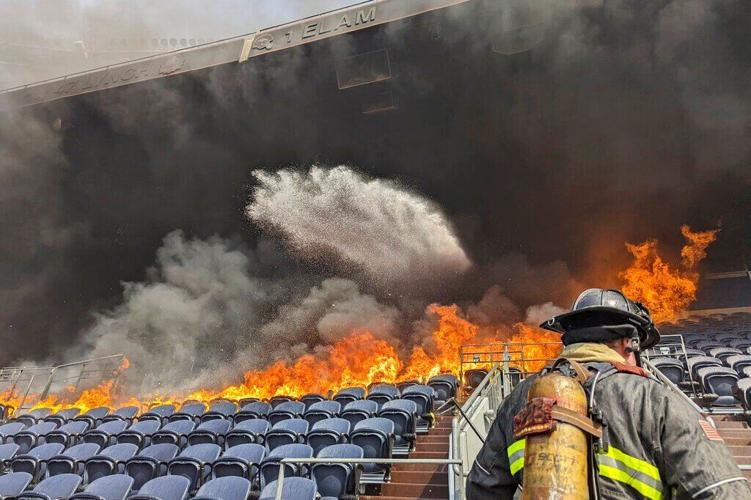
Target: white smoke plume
[{"x": 394, "y": 235}]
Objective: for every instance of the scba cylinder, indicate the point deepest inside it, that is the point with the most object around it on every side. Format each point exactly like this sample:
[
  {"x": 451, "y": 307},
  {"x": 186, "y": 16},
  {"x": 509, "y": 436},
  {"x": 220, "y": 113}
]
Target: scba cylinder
[{"x": 555, "y": 462}]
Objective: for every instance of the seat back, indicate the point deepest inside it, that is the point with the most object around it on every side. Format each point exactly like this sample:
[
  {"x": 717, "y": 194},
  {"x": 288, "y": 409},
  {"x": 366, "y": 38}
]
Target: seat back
[
  {"x": 309, "y": 399},
  {"x": 164, "y": 488},
  {"x": 219, "y": 410},
  {"x": 670, "y": 367},
  {"x": 150, "y": 463},
  {"x": 328, "y": 432},
  {"x": 161, "y": 413},
  {"x": 115, "y": 487},
  {"x": 109, "y": 461},
  {"x": 193, "y": 461},
  {"x": 241, "y": 460},
  {"x": 12, "y": 484},
  {"x": 349, "y": 394},
  {"x": 286, "y": 432},
  {"x": 71, "y": 460},
  {"x": 61, "y": 486},
  {"x": 248, "y": 431},
  {"x": 174, "y": 432},
  {"x": 210, "y": 431},
  {"x": 403, "y": 413},
  {"x": 294, "y": 488},
  {"x": 336, "y": 480},
  {"x": 270, "y": 464},
  {"x": 255, "y": 409},
  {"x": 226, "y": 488},
  {"x": 374, "y": 436},
  {"x": 358, "y": 410}
]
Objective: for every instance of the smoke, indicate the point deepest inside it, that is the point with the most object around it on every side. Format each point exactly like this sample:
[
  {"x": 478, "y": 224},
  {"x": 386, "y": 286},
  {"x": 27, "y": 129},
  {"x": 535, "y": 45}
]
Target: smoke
[{"x": 395, "y": 236}]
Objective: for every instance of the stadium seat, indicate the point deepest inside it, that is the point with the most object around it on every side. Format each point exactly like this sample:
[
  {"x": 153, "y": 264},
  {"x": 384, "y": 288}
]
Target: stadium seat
[
  {"x": 220, "y": 410},
  {"x": 242, "y": 460},
  {"x": 285, "y": 410},
  {"x": 444, "y": 386},
  {"x": 309, "y": 399},
  {"x": 94, "y": 416},
  {"x": 338, "y": 480},
  {"x": 269, "y": 469},
  {"x": 738, "y": 362},
  {"x": 31, "y": 436},
  {"x": 293, "y": 488},
  {"x": 106, "y": 433},
  {"x": 110, "y": 460},
  {"x": 246, "y": 401},
  {"x": 7, "y": 431},
  {"x": 160, "y": 413},
  {"x": 189, "y": 411},
  {"x": 174, "y": 432},
  {"x": 670, "y": 367},
  {"x": 164, "y": 488},
  {"x": 706, "y": 345},
  {"x": 719, "y": 380},
  {"x": 248, "y": 431},
  {"x": 328, "y": 432},
  {"x": 376, "y": 437},
  {"x": 13, "y": 483},
  {"x": 62, "y": 486},
  {"x": 474, "y": 377},
  {"x": 404, "y": 384},
  {"x": 349, "y": 394},
  {"x": 7, "y": 452},
  {"x": 150, "y": 462},
  {"x": 322, "y": 410},
  {"x": 690, "y": 353},
  {"x": 722, "y": 353},
  {"x": 381, "y": 393},
  {"x": 114, "y": 487},
  {"x": 255, "y": 409},
  {"x": 34, "y": 461},
  {"x": 423, "y": 396},
  {"x": 33, "y": 417},
  {"x": 210, "y": 431},
  {"x": 127, "y": 413},
  {"x": 139, "y": 433},
  {"x": 287, "y": 432},
  {"x": 224, "y": 488},
  {"x": 359, "y": 410},
  {"x": 194, "y": 463},
  {"x": 740, "y": 343},
  {"x": 698, "y": 362},
  {"x": 72, "y": 459},
  {"x": 403, "y": 413},
  {"x": 62, "y": 416},
  {"x": 277, "y": 400},
  {"x": 68, "y": 434},
  {"x": 743, "y": 392}
]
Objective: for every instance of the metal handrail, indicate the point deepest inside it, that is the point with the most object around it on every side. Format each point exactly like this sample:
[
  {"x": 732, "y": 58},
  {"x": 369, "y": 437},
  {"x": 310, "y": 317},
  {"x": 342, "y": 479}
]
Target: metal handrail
[{"x": 355, "y": 461}]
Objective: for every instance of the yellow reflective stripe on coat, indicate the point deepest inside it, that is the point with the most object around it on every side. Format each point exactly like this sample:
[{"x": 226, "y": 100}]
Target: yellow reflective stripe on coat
[
  {"x": 639, "y": 474},
  {"x": 516, "y": 456}
]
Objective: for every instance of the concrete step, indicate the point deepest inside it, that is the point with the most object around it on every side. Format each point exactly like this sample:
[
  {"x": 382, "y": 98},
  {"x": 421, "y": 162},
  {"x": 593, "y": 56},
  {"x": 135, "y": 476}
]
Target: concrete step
[
  {"x": 419, "y": 477},
  {"x": 415, "y": 490},
  {"x": 420, "y": 467},
  {"x": 731, "y": 424},
  {"x": 441, "y": 447},
  {"x": 429, "y": 454}
]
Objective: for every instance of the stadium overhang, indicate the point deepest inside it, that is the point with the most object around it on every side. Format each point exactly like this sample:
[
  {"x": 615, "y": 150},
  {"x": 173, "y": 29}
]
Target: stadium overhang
[{"x": 239, "y": 49}]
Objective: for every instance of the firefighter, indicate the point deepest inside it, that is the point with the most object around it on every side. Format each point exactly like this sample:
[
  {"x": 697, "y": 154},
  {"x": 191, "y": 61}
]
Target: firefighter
[{"x": 654, "y": 444}]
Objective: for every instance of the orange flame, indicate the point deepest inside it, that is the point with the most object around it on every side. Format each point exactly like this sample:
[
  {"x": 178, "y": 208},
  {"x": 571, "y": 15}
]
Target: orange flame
[{"x": 666, "y": 291}]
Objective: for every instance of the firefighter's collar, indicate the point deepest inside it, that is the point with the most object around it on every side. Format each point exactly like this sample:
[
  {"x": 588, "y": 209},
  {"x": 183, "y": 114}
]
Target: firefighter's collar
[{"x": 591, "y": 351}]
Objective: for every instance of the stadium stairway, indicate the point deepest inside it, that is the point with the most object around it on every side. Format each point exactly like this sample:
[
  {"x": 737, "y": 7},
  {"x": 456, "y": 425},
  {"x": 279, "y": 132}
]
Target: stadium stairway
[
  {"x": 421, "y": 481},
  {"x": 737, "y": 436}
]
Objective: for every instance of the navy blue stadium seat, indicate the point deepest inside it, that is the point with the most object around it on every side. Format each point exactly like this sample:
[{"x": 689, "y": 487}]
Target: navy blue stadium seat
[
  {"x": 309, "y": 399},
  {"x": 127, "y": 413},
  {"x": 381, "y": 393},
  {"x": 253, "y": 410},
  {"x": 210, "y": 431},
  {"x": 322, "y": 410},
  {"x": 738, "y": 362},
  {"x": 72, "y": 459},
  {"x": 139, "y": 433},
  {"x": 62, "y": 486},
  {"x": 94, "y": 416},
  {"x": 706, "y": 345},
  {"x": 359, "y": 410},
  {"x": 328, "y": 432},
  {"x": 33, "y": 435},
  {"x": 160, "y": 413},
  {"x": 7, "y": 452},
  {"x": 719, "y": 380},
  {"x": 406, "y": 383},
  {"x": 110, "y": 460},
  {"x": 293, "y": 488},
  {"x": 13, "y": 483},
  {"x": 189, "y": 411},
  {"x": 242, "y": 460},
  {"x": 34, "y": 461},
  {"x": 349, "y": 394},
  {"x": 194, "y": 463},
  {"x": 62, "y": 416},
  {"x": 174, "y": 432},
  {"x": 722, "y": 353},
  {"x": 67, "y": 434},
  {"x": 7, "y": 431},
  {"x": 32, "y": 417},
  {"x": 114, "y": 487},
  {"x": 743, "y": 392},
  {"x": 246, "y": 401},
  {"x": 150, "y": 462},
  {"x": 248, "y": 431},
  {"x": 444, "y": 385},
  {"x": 698, "y": 362},
  {"x": 423, "y": 396},
  {"x": 277, "y": 400},
  {"x": 224, "y": 488},
  {"x": 338, "y": 480},
  {"x": 670, "y": 367},
  {"x": 376, "y": 437},
  {"x": 287, "y": 432},
  {"x": 164, "y": 488},
  {"x": 403, "y": 413},
  {"x": 220, "y": 410},
  {"x": 106, "y": 433},
  {"x": 269, "y": 469},
  {"x": 286, "y": 410},
  {"x": 474, "y": 377},
  {"x": 740, "y": 343}
]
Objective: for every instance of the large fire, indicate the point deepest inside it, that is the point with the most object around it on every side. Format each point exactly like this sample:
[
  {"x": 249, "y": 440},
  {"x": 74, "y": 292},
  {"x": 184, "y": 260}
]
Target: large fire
[
  {"x": 361, "y": 358},
  {"x": 666, "y": 290}
]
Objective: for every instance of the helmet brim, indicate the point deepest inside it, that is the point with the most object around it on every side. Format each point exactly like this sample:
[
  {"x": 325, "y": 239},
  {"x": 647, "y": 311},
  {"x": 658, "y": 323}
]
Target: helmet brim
[{"x": 603, "y": 315}]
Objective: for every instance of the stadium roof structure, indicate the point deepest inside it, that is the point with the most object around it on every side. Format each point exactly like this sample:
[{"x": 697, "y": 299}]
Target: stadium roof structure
[{"x": 238, "y": 49}]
